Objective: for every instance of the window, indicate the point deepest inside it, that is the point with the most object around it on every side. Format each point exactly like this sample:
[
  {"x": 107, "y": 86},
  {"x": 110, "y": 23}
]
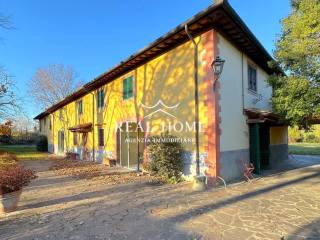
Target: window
[
  {"x": 127, "y": 91},
  {"x": 60, "y": 114},
  {"x": 50, "y": 124},
  {"x": 40, "y": 128},
  {"x": 252, "y": 78},
  {"x": 75, "y": 138},
  {"x": 100, "y": 98},
  {"x": 79, "y": 107},
  {"x": 101, "y": 137}
]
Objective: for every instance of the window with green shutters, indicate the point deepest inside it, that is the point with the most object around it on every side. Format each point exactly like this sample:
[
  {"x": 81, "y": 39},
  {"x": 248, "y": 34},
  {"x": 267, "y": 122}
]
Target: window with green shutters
[
  {"x": 127, "y": 88},
  {"x": 79, "y": 107},
  {"x": 100, "y": 98},
  {"x": 61, "y": 114}
]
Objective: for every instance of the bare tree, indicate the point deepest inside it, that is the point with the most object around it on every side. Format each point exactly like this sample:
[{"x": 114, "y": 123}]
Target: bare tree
[
  {"x": 9, "y": 102},
  {"x": 5, "y": 22},
  {"x": 23, "y": 123},
  {"x": 51, "y": 84}
]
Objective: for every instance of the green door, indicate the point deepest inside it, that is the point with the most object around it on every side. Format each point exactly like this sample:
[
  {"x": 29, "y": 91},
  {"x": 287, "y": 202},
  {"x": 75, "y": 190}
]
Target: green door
[
  {"x": 259, "y": 145},
  {"x": 254, "y": 138},
  {"x": 264, "y": 144}
]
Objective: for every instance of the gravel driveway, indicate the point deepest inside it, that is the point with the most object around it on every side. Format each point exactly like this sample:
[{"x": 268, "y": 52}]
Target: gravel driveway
[{"x": 283, "y": 205}]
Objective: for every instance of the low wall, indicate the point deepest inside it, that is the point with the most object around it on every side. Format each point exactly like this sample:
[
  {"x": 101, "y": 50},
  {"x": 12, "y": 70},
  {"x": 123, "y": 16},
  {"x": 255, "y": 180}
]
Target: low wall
[
  {"x": 278, "y": 153},
  {"x": 232, "y": 164}
]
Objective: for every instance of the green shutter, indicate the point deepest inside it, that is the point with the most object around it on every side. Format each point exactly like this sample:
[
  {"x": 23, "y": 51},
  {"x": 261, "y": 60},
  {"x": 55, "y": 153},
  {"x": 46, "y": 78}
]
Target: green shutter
[
  {"x": 130, "y": 87},
  {"x": 127, "y": 87},
  {"x": 124, "y": 89},
  {"x": 80, "y": 110},
  {"x": 99, "y": 99},
  {"x": 102, "y": 97}
]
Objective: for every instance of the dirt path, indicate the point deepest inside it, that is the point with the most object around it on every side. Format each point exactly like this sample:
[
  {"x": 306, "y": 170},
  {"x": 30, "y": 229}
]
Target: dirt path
[{"x": 281, "y": 206}]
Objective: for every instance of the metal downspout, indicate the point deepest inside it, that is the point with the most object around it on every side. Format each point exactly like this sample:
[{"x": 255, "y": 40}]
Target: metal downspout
[
  {"x": 196, "y": 99},
  {"x": 93, "y": 149},
  {"x": 242, "y": 82},
  {"x": 53, "y": 148}
]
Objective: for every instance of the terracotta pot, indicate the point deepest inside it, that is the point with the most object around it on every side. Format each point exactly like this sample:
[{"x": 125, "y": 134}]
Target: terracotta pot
[{"x": 9, "y": 202}]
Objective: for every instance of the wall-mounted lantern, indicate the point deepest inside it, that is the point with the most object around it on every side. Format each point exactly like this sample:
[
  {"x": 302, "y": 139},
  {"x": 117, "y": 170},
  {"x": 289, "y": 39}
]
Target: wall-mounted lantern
[{"x": 217, "y": 66}]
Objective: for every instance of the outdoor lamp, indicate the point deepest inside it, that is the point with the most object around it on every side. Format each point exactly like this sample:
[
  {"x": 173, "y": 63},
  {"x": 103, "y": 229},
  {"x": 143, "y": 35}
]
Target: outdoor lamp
[{"x": 217, "y": 66}]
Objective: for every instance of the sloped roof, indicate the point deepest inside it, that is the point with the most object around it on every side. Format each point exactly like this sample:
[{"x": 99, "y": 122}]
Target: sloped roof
[{"x": 219, "y": 16}]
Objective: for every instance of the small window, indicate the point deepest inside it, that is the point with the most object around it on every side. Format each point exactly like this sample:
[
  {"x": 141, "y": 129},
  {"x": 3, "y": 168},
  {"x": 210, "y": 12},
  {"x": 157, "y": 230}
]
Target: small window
[
  {"x": 50, "y": 124},
  {"x": 60, "y": 114},
  {"x": 252, "y": 78},
  {"x": 101, "y": 137},
  {"x": 100, "y": 98},
  {"x": 79, "y": 107},
  {"x": 40, "y": 128},
  {"x": 75, "y": 138},
  {"x": 127, "y": 91}
]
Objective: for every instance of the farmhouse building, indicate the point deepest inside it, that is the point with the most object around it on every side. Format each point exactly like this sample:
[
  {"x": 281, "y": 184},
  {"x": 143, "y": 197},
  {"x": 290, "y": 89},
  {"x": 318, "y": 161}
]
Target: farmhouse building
[{"x": 154, "y": 91}]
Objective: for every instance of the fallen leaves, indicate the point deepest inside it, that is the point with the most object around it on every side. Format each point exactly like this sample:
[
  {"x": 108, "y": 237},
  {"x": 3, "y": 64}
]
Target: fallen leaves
[
  {"x": 80, "y": 169},
  {"x": 89, "y": 170}
]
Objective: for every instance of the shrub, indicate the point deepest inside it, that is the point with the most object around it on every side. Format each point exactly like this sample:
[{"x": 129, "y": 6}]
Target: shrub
[
  {"x": 42, "y": 143},
  {"x": 13, "y": 178},
  {"x": 148, "y": 167},
  {"x": 311, "y": 135},
  {"x": 166, "y": 160},
  {"x": 295, "y": 135},
  {"x": 311, "y": 138},
  {"x": 7, "y": 159}
]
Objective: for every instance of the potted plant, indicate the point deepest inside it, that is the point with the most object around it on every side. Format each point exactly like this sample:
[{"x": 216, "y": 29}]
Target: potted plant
[
  {"x": 12, "y": 179},
  {"x": 71, "y": 155}
]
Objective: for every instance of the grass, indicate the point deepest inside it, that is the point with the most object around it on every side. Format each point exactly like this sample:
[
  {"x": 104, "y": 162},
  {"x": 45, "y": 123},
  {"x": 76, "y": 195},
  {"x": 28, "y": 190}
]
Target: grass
[
  {"x": 304, "y": 148},
  {"x": 23, "y": 152}
]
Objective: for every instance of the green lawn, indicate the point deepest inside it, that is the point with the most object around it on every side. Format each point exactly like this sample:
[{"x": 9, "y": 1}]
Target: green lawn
[
  {"x": 23, "y": 151},
  {"x": 304, "y": 148}
]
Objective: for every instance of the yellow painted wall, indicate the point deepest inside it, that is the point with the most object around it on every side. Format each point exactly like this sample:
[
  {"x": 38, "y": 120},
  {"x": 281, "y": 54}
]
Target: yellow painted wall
[
  {"x": 168, "y": 77},
  {"x": 278, "y": 135}
]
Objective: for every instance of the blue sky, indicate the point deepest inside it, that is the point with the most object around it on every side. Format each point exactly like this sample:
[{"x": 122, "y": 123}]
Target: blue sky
[{"x": 94, "y": 35}]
